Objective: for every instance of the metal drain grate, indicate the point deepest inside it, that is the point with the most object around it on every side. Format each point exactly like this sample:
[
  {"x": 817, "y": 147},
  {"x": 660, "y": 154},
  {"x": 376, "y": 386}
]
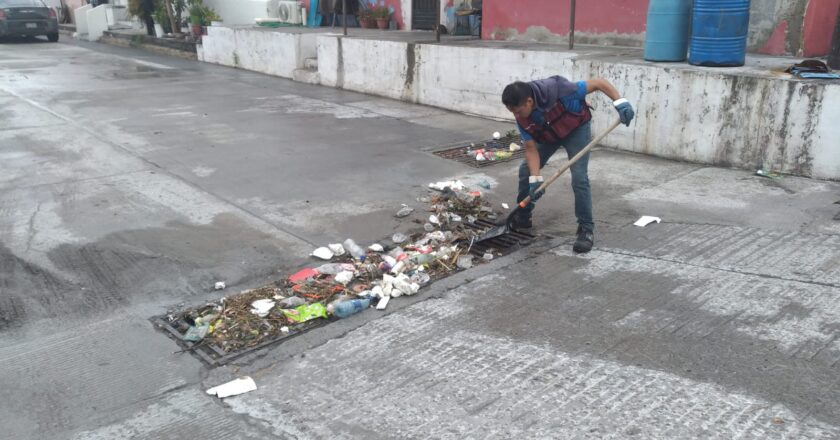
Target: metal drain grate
[
  {"x": 503, "y": 244},
  {"x": 460, "y": 154},
  {"x": 214, "y": 356}
]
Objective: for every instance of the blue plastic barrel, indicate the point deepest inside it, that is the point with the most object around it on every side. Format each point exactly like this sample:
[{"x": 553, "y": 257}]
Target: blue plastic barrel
[
  {"x": 719, "y": 32},
  {"x": 667, "y": 33}
]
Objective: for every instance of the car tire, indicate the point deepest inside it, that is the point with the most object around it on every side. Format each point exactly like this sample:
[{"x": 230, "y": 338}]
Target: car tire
[{"x": 53, "y": 37}]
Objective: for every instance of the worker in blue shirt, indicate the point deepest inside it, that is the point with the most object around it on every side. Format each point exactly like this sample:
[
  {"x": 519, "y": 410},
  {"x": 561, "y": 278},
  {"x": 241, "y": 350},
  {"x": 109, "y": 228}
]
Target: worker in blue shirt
[{"x": 553, "y": 113}]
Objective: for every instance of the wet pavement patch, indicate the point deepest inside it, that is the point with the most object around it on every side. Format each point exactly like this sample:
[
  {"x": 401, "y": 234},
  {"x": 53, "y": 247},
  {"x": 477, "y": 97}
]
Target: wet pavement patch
[
  {"x": 485, "y": 153},
  {"x": 348, "y": 279}
]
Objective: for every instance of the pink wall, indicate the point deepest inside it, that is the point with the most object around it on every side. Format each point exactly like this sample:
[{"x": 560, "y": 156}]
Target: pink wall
[
  {"x": 397, "y": 12},
  {"x": 624, "y": 21},
  {"x": 593, "y": 16},
  {"x": 820, "y": 18}
]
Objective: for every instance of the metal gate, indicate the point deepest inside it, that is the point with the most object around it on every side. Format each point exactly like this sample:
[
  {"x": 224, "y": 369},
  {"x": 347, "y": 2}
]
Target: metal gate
[{"x": 424, "y": 14}]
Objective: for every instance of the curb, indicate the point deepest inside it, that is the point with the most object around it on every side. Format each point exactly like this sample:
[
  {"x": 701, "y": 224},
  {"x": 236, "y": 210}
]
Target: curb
[{"x": 179, "y": 49}]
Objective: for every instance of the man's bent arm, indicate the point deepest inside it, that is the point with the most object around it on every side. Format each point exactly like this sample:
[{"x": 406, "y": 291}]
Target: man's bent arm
[{"x": 601, "y": 84}]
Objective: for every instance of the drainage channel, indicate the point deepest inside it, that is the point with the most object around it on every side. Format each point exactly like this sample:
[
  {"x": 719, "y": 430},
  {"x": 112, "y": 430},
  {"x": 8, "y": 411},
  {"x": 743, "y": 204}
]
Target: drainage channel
[
  {"x": 493, "y": 152},
  {"x": 213, "y": 355}
]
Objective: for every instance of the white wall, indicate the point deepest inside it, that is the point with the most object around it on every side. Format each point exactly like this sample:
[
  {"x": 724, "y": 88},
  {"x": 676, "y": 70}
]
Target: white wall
[
  {"x": 97, "y": 22},
  {"x": 261, "y": 50},
  {"x": 726, "y": 117},
  {"x": 741, "y": 117},
  {"x": 80, "y": 18},
  {"x": 239, "y": 11}
]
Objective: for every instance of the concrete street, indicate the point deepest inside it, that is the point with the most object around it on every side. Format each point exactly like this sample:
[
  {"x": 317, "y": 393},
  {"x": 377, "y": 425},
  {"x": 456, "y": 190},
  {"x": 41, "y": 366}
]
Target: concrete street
[{"x": 131, "y": 182}]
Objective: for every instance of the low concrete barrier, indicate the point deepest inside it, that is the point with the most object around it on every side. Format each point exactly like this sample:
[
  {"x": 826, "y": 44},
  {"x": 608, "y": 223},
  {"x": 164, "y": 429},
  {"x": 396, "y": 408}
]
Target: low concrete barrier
[{"x": 751, "y": 117}]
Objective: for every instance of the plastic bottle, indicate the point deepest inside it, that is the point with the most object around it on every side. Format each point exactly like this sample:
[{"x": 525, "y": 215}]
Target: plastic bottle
[
  {"x": 355, "y": 250},
  {"x": 343, "y": 309}
]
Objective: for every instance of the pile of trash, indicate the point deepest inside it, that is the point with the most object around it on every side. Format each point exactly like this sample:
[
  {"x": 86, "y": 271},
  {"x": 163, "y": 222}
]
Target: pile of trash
[
  {"x": 350, "y": 278},
  {"x": 495, "y": 149}
]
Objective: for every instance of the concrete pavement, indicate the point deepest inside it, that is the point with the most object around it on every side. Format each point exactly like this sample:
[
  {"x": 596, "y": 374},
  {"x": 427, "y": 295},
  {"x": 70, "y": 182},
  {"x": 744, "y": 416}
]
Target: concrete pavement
[{"x": 131, "y": 182}]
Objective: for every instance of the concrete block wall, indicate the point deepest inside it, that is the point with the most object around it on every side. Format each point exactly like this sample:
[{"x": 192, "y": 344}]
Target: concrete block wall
[
  {"x": 737, "y": 117},
  {"x": 80, "y": 18},
  {"x": 97, "y": 22},
  {"x": 724, "y": 117},
  {"x": 274, "y": 53}
]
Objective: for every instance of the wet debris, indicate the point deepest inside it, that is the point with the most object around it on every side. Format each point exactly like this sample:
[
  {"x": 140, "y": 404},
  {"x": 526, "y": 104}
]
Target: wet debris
[{"x": 351, "y": 278}]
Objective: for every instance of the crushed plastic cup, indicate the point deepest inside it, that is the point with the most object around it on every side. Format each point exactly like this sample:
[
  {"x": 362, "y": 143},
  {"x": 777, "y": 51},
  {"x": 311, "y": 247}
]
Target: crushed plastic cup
[
  {"x": 497, "y": 135},
  {"x": 220, "y": 285},
  {"x": 344, "y": 277},
  {"x": 292, "y": 302},
  {"x": 465, "y": 261},
  {"x": 323, "y": 253},
  {"x": 399, "y": 237},
  {"x": 405, "y": 211},
  {"x": 421, "y": 278},
  {"x": 334, "y": 268},
  {"x": 428, "y": 227},
  {"x": 487, "y": 256},
  {"x": 514, "y": 147},
  {"x": 433, "y": 219},
  {"x": 376, "y": 247},
  {"x": 337, "y": 249}
]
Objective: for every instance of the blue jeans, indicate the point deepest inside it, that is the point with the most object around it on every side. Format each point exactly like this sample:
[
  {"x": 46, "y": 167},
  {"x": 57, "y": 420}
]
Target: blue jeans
[{"x": 573, "y": 143}]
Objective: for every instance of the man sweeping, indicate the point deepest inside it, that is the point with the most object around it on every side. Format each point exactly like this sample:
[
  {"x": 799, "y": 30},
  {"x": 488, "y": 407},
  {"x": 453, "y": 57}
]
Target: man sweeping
[{"x": 553, "y": 113}]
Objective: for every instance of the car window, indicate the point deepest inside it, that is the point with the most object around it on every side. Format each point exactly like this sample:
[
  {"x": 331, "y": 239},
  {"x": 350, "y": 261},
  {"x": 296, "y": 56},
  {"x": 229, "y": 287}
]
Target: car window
[{"x": 22, "y": 3}]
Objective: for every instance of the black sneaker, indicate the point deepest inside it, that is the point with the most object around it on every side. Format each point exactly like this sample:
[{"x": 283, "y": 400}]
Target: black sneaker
[
  {"x": 521, "y": 223},
  {"x": 584, "y": 242}
]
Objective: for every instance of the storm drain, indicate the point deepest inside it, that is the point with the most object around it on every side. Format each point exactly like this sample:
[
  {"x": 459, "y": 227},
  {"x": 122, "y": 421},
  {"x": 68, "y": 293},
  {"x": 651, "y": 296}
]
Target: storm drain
[
  {"x": 501, "y": 245},
  {"x": 214, "y": 356},
  {"x": 493, "y": 151}
]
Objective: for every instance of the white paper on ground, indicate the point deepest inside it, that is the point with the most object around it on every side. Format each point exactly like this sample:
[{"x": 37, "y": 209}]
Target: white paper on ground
[
  {"x": 383, "y": 302},
  {"x": 646, "y": 220},
  {"x": 233, "y": 388},
  {"x": 455, "y": 185},
  {"x": 261, "y": 307},
  {"x": 323, "y": 253}
]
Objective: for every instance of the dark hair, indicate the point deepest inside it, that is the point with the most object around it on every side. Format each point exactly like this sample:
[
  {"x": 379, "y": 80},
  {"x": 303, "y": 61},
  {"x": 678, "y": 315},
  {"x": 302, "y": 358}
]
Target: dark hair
[{"x": 516, "y": 93}]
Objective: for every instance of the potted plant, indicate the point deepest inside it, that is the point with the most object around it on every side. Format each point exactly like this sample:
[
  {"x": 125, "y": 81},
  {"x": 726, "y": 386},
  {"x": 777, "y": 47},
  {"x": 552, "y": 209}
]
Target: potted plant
[
  {"x": 383, "y": 16},
  {"x": 196, "y": 18},
  {"x": 364, "y": 18}
]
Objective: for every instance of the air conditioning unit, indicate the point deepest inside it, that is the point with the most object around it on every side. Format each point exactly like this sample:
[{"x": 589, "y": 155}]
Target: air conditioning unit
[{"x": 289, "y": 12}]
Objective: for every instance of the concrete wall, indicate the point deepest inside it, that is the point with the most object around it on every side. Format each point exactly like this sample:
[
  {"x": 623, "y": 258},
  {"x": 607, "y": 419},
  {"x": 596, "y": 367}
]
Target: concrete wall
[
  {"x": 261, "y": 50},
  {"x": 234, "y": 12},
  {"x": 80, "y": 19},
  {"x": 777, "y": 27},
  {"x": 740, "y": 117},
  {"x": 97, "y": 22},
  {"x": 725, "y": 117}
]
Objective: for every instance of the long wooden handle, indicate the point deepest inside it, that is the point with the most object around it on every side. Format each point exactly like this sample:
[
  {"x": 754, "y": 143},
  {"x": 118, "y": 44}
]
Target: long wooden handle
[{"x": 571, "y": 162}]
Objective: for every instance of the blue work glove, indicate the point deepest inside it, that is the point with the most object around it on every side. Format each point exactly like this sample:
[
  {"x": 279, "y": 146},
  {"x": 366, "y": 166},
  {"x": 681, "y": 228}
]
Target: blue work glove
[
  {"x": 625, "y": 110},
  {"x": 534, "y": 182}
]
